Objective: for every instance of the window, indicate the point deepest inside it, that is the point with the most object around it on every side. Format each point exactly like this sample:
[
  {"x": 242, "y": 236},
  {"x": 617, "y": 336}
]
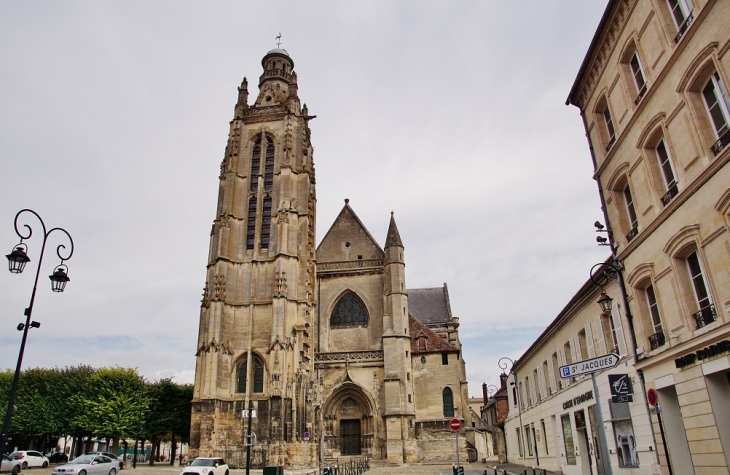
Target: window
[
  {"x": 349, "y": 311},
  {"x": 633, "y": 221},
  {"x": 269, "y": 168},
  {"x": 255, "y": 166},
  {"x": 448, "y": 399},
  {"x": 251, "y": 225},
  {"x": 519, "y": 443},
  {"x": 706, "y": 312},
  {"x": 638, "y": 74},
  {"x": 681, "y": 11},
  {"x": 665, "y": 164},
  {"x": 568, "y": 439},
  {"x": 657, "y": 339},
  {"x": 609, "y": 333},
  {"x": 716, "y": 101},
  {"x": 544, "y": 436},
  {"x": 582, "y": 345},
  {"x": 623, "y": 431},
  {"x": 258, "y": 375},
  {"x": 266, "y": 222},
  {"x": 422, "y": 343},
  {"x": 444, "y": 358},
  {"x": 528, "y": 441},
  {"x": 609, "y": 127}
]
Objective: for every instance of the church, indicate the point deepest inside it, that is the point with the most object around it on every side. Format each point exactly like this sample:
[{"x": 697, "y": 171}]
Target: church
[{"x": 336, "y": 356}]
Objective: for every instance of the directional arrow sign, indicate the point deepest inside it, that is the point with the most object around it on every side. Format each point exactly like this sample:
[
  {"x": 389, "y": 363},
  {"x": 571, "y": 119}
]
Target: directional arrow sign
[{"x": 592, "y": 365}]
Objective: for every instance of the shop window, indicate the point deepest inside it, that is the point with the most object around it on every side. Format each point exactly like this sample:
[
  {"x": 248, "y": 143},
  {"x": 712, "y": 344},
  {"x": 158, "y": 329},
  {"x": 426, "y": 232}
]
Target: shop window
[
  {"x": 568, "y": 439},
  {"x": 623, "y": 431}
]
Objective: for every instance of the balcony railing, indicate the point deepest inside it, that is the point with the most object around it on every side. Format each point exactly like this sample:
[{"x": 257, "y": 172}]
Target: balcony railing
[
  {"x": 272, "y": 73},
  {"x": 720, "y": 145},
  {"x": 610, "y": 143},
  {"x": 657, "y": 339},
  {"x": 705, "y": 316},
  {"x": 641, "y": 94},
  {"x": 684, "y": 27},
  {"x": 632, "y": 234},
  {"x": 671, "y": 193}
]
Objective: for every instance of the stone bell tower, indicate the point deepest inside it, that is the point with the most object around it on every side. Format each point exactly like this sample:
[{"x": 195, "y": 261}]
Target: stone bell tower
[{"x": 256, "y": 317}]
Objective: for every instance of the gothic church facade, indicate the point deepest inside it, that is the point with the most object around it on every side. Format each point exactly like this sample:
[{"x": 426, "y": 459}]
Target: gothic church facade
[{"x": 333, "y": 352}]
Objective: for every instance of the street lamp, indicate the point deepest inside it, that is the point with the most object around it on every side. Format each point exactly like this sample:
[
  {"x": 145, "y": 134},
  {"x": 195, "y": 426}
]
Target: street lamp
[
  {"x": 136, "y": 438},
  {"x": 17, "y": 260},
  {"x": 504, "y": 363}
]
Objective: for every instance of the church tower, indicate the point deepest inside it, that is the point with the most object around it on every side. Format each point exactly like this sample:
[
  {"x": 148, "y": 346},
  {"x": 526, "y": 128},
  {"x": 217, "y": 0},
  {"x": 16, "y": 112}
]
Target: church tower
[{"x": 256, "y": 316}]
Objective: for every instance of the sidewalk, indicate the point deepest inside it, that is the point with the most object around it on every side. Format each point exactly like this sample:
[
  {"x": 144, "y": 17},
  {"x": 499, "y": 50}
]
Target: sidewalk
[{"x": 516, "y": 469}]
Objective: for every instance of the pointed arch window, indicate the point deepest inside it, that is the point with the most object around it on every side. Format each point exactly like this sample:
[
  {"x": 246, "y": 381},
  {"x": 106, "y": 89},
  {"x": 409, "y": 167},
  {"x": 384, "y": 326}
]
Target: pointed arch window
[
  {"x": 349, "y": 311},
  {"x": 448, "y": 399},
  {"x": 269, "y": 168},
  {"x": 257, "y": 373}
]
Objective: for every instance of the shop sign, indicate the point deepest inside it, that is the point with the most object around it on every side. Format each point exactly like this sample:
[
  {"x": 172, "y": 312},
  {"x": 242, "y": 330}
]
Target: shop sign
[
  {"x": 712, "y": 350},
  {"x": 587, "y": 396},
  {"x": 621, "y": 390}
]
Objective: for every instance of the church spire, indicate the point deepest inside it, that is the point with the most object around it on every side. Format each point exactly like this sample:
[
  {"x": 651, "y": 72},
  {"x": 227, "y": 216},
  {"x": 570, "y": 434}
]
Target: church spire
[{"x": 393, "y": 238}]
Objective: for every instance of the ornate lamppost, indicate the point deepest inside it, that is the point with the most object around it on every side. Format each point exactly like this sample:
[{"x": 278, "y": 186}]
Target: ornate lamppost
[
  {"x": 505, "y": 363},
  {"x": 17, "y": 260}
]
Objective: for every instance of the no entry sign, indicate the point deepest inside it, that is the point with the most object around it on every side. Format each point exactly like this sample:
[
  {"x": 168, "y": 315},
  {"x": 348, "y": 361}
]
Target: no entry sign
[
  {"x": 455, "y": 424},
  {"x": 651, "y": 397}
]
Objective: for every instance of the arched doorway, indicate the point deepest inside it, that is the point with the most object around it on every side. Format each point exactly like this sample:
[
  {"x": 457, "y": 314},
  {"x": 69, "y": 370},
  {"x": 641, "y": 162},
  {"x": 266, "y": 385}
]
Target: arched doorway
[{"x": 349, "y": 422}]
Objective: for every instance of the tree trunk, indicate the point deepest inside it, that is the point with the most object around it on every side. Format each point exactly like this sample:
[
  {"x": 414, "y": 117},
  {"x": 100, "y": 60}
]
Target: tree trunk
[
  {"x": 153, "y": 442},
  {"x": 173, "y": 449},
  {"x": 115, "y": 446},
  {"x": 124, "y": 442}
]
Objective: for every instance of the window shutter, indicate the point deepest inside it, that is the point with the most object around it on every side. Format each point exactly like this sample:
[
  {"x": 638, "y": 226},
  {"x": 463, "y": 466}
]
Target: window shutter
[
  {"x": 562, "y": 362},
  {"x": 551, "y": 369},
  {"x": 533, "y": 395},
  {"x": 599, "y": 335},
  {"x": 589, "y": 342},
  {"x": 621, "y": 343},
  {"x": 574, "y": 345},
  {"x": 541, "y": 380}
]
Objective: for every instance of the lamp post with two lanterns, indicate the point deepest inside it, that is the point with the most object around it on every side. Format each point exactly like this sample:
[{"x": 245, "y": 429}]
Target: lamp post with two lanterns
[{"x": 17, "y": 260}]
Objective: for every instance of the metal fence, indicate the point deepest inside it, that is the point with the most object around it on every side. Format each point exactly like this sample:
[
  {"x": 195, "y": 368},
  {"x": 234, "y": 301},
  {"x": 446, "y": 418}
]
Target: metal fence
[{"x": 352, "y": 467}]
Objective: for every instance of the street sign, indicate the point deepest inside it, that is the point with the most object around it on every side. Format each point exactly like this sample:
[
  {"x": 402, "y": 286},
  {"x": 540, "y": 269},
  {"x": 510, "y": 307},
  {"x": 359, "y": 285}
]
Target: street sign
[
  {"x": 306, "y": 435},
  {"x": 655, "y": 410},
  {"x": 455, "y": 424},
  {"x": 651, "y": 397},
  {"x": 621, "y": 390},
  {"x": 591, "y": 365},
  {"x": 244, "y": 413}
]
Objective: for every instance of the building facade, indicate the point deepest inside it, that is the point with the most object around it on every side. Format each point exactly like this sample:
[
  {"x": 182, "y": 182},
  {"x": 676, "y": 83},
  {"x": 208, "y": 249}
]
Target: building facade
[
  {"x": 652, "y": 92},
  {"x": 326, "y": 344},
  {"x": 553, "y": 422}
]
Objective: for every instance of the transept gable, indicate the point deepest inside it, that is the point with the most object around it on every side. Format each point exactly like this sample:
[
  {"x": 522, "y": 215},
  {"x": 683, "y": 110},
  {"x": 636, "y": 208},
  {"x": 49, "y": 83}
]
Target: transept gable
[
  {"x": 348, "y": 240},
  {"x": 425, "y": 340}
]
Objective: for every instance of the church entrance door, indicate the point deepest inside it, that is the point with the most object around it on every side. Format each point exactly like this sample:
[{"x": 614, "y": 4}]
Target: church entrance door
[{"x": 350, "y": 436}]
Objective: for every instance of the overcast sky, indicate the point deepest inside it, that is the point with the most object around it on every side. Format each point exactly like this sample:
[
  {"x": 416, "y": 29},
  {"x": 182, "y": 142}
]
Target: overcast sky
[{"x": 114, "y": 119}]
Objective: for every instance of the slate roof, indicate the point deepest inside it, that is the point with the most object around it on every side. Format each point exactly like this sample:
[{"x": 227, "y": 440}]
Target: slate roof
[
  {"x": 434, "y": 343},
  {"x": 430, "y": 305}
]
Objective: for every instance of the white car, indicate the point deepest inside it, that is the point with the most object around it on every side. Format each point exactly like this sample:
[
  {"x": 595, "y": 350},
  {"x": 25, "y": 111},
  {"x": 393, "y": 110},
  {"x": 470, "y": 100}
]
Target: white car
[
  {"x": 30, "y": 458},
  {"x": 206, "y": 466},
  {"x": 88, "y": 465},
  {"x": 8, "y": 465}
]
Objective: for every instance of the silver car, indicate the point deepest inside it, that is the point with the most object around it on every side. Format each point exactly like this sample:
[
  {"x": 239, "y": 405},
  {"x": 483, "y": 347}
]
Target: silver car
[
  {"x": 88, "y": 465},
  {"x": 8, "y": 465}
]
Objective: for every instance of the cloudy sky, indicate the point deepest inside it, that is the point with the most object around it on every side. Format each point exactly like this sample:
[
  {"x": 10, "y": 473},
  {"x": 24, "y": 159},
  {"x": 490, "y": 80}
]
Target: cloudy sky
[{"x": 114, "y": 118}]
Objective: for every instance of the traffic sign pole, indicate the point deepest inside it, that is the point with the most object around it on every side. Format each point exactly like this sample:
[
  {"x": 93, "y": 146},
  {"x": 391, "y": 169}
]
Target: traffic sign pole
[
  {"x": 605, "y": 459},
  {"x": 455, "y": 425}
]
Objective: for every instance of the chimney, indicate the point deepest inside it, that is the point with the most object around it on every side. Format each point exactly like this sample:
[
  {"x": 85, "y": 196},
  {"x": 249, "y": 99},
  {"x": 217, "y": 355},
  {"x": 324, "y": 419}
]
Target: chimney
[
  {"x": 484, "y": 393},
  {"x": 503, "y": 379}
]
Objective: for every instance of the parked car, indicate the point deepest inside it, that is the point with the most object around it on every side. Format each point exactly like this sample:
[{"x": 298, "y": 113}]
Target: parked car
[
  {"x": 206, "y": 466},
  {"x": 88, "y": 465},
  {"x": 57, "y": 457},
  {"x": 8, "y": 465},
  {"x": 30, "y": 458},
  {"x": 111, "y": 456}
]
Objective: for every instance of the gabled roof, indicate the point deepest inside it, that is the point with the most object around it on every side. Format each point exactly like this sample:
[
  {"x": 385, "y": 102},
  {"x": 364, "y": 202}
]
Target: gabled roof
[
  {"x": 347, "y": 239},
  {"x": 434, "y": 343},
  {"x": 430, "y": 305}
]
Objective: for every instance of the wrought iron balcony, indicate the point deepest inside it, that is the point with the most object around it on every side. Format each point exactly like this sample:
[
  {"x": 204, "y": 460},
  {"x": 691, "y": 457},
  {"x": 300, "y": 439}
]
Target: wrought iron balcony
[
  {"x": 610, "y": 143},
  {"x": 683, "y": 27},
  {"x": 671, "y": 193},
  {"x": 641, "y": 94},
  {"x": 705, "y": 316},
  {"x": 632, "y": 234},
  {"x": 720, "y": 145},
  {"x": 657, "y": 339}
]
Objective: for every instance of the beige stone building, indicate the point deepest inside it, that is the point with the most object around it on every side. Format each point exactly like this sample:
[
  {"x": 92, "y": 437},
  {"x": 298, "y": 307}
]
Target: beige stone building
[
  {"x": 652, "y": 92},
  {"x": 553, "y": 422},
  {"x": 328, "y": 346}
]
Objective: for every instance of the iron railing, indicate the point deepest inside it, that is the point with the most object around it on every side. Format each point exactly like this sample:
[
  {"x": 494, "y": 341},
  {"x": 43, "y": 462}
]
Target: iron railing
[
  {"x": 352, "y": 467},
  {"x": 610, "y": 143},
  {"x": 683, "y": 27},
  {"x": 671, "y": 193},
  {"x": 705, "y": 316},
  {"x": 657, "y": 339},
  {"x": 641, "y": 94},
  {"x": 720, "y": 145},
  {"x": 632, "y": 234}
]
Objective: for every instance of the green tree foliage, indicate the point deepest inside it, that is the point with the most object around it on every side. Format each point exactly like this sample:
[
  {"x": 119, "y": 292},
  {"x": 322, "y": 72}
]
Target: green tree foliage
[{"x": 106, "y": 402}]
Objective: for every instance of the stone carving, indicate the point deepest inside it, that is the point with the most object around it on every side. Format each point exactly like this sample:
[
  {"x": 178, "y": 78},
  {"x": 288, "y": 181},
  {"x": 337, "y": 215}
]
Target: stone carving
[
  {"x": 280, "y": 284},
  {"x": 222, "y": 348},
  {"x": 219, "y": 288},
  {"x": 205, "y": 303},
  {"x": 348, "y": 356},
  {"x": 359, "y": 264}
]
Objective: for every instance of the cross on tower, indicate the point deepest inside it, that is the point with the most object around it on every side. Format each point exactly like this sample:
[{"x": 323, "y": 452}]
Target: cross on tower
[{"x": 278, "y": 40}]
